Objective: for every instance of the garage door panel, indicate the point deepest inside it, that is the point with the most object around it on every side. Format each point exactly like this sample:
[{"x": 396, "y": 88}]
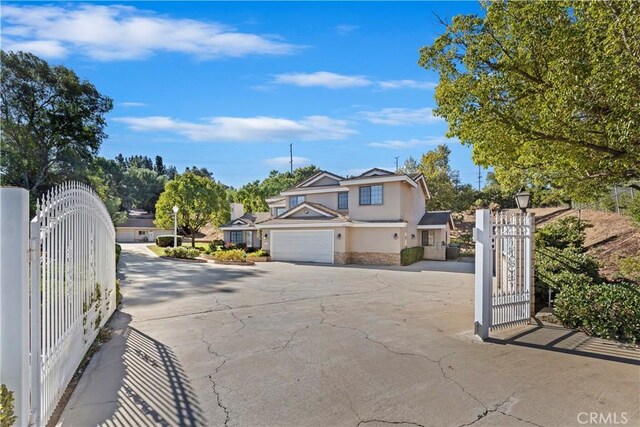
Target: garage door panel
[{"x": 303, "y": 246}]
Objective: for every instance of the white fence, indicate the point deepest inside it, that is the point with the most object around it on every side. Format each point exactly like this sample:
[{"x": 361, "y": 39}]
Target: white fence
[
  {"x": 72, "y": 264},
  {"x": 504, "y": 270}
]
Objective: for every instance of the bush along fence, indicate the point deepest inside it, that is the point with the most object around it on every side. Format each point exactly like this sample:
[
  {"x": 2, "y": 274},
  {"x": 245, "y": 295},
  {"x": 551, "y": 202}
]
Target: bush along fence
[
  {"x": 57, "y": 286},
  {"x": 568, "y": 279}
]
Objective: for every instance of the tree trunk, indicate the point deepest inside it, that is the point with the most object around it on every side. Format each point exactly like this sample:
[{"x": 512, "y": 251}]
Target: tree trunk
[{"x": 193, "y": 238}]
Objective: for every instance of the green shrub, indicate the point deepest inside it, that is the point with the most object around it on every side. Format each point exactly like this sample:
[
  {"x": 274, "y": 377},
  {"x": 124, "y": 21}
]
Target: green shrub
[
  {"x": 633, "y": 209},
  {"x": 258, "y": 253},
  {"x": 7, "y": 416},
  {"x": 182, "y": 252},
  {"x": 167, "y": 241},
  {"x": 568, "y": 232},
  {"x": 410, "y": 255},
  {"x": 118, "y": 251},
  {"x": 630, "y": 267},
  {"x": 551, "y": 264},
  {"x": 235, "y": 255},
  {"x": 215, "y": 244},
  {"x": 606, "y": 310}
]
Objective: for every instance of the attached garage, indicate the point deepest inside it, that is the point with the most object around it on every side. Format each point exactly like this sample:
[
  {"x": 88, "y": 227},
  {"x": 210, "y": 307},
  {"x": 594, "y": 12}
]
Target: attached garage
[{"x": 302, "y": 245}]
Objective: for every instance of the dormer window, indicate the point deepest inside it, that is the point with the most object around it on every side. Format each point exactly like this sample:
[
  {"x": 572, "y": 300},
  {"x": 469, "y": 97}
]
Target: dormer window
[
  {"x": 295, "y": 201},
  {"x": 371, "y": 195}
]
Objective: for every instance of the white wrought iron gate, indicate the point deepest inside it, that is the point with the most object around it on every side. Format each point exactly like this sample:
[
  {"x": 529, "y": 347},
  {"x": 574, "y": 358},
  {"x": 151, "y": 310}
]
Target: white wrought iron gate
[
  {"x": 56, "y": 299},
  {"x": 504, "y": 270},
  {"x": 74, "y": 268}
]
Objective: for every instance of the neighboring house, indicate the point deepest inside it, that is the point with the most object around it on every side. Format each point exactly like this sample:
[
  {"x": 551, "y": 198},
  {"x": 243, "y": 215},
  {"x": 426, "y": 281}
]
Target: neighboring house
[
  {"x": 139, "y": 227},
  {"x": 242, "y": 228},
  {"x": 366, "y": 219}
]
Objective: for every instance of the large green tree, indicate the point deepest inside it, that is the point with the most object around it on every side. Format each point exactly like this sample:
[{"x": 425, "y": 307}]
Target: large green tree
[
  {"x": 253, "y": 194},
  {"x": 447, "y": 192},
  {"x": 52, "y": 123},
  {"x": 546, "y": 92},
  {"x": 200, "y": 201}
]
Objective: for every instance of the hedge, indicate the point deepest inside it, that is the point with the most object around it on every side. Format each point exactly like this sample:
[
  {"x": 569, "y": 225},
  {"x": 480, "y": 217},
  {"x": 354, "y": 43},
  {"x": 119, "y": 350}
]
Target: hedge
[
  {"x": 235, "y": 255},
  {"x": 606, "y": 310},
  {"x": 182, "y": 252},
  {"x": 118, "y": 251},
  {"x": 167, "y": 241},
  {"x": 410, "y": 255}
]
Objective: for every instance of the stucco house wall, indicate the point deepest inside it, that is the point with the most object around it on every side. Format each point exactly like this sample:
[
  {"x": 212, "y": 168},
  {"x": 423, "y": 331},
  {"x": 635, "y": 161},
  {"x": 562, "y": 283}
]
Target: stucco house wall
[
  {"x": 255, "y": 238},
  {"x": 391, "y": 207},
  {"x": 439, "y": 251}
]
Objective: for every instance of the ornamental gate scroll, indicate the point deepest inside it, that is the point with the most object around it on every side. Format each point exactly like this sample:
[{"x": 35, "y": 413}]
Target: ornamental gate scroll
[{"x": 504, "y": 270}]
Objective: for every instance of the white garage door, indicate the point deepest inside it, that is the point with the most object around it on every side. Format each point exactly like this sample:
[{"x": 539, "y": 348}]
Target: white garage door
[{"x": 304, "y": 246}]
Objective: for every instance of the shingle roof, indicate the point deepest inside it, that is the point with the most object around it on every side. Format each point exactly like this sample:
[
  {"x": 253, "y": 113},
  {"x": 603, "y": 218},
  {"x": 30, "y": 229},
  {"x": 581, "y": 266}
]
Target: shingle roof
[
  {"x": 437, "y": 218},
  {"x": 138, "y": 223},
  {"x": 250, "y": 219}
]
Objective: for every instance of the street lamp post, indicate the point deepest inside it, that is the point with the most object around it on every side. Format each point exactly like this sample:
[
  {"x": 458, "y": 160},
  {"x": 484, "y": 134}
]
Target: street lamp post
[
  {"x": 175, "y": 226},
  {"x": 523, "y": 197}
]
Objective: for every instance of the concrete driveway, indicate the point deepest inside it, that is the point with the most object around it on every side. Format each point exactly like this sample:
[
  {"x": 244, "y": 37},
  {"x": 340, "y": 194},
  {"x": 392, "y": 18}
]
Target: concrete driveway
[{"x": 308, "y": 345}]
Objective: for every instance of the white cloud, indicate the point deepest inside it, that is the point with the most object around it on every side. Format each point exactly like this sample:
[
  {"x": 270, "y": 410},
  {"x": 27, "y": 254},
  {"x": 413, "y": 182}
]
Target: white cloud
[
  {"x": 284, "y": 161},
  {"x": 340, "y": 81},
  {"x": 119, "y": 32},
  {"x": 398, "y": 144},
  {"x": 345, "y": 29},
  {"x": 133, "y": 104},
  {"x": 259, "y": 128},
  {"x": 406, "y": 84},
  {"x": 322, "y": 78},
  {"x": 400, "y": 116}
]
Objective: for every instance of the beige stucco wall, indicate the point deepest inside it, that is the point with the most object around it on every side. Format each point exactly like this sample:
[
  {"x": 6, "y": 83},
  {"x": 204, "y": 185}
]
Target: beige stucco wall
[
  {"x": 130, "y": 234},
  {"x": 329, "y": 200},
  {"x": 439, "y": 251},
  {"x": 391, "y": 208},
  {"x": 324, "y": 181},
  {"x": 376, "y": 239}
]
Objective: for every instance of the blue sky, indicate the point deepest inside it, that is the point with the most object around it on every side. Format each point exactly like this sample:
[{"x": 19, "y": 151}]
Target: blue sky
[{"x": 228, "y": 86}]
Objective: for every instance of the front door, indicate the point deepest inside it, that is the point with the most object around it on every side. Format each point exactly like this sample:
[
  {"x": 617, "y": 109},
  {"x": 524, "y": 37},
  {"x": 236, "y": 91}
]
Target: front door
[{"x": 249, "y": 239}]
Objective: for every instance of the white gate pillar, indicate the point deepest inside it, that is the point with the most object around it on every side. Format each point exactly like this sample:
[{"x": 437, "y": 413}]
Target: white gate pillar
[
  {"x": 14, "y": 297},
  {"x": 483, "y": 234}
]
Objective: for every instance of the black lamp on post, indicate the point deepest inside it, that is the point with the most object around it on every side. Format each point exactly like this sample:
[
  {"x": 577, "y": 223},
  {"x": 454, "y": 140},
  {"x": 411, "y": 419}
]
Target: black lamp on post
[{"x": 523, "y": 198}]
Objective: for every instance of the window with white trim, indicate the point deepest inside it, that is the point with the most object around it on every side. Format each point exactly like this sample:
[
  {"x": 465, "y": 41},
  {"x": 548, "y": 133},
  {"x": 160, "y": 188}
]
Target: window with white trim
[
  {"x": 236, "y": 236},
  {"x": 428, "y": 237},
  {"x": 295, "y": 201},
  {"x": 371, "y": 195},
  {"x": 343, "y": 200}
]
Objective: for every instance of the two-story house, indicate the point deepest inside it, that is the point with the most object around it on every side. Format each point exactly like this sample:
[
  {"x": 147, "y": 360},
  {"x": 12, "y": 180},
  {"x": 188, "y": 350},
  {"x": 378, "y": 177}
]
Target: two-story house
[{"x": 366, "y": 219}]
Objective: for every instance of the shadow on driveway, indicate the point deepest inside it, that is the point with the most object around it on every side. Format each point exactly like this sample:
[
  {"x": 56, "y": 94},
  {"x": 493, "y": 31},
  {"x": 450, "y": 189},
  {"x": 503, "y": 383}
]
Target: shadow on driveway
[
  {"x": 561, "y": 340},
  {"x": 141, "y": 383}
]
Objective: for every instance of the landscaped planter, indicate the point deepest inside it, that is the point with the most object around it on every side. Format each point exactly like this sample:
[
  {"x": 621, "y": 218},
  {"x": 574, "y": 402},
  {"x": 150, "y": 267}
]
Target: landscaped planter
[
  {"x": 235, "y": 262},
  {"x": 195, "y": 260}
]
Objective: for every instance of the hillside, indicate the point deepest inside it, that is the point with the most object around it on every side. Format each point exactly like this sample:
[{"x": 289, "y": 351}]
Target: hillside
[{"x": 608, "y": 235}]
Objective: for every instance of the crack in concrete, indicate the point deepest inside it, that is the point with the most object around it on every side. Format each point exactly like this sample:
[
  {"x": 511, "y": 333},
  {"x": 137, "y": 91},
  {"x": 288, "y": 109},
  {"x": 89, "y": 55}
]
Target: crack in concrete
[
  {"x": 409, "y": 423},
  {"x": 241, "y": 307},
  {"x": 227, "y": 416},
  {"x": 239, "y": 319}
]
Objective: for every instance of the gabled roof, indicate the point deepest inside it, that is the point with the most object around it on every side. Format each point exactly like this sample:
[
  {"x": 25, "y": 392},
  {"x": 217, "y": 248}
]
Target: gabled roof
[
  {"x": 318, "y": 177},
  {"x": 437, "y": 218},
  {"x": 248, "y": 220},
  {"x": 316, "y": 207},
  {"x": 138, "y": 223},
  {"x": 419, "y": 178},
  {"x": 376, "y": 172}
]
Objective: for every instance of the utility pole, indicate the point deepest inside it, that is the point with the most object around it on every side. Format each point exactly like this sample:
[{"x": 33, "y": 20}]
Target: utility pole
[
  {"x": 479, "y": 177},
  {"x": 397, "y": 168},
  {"x": 291, "y": 157}
]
